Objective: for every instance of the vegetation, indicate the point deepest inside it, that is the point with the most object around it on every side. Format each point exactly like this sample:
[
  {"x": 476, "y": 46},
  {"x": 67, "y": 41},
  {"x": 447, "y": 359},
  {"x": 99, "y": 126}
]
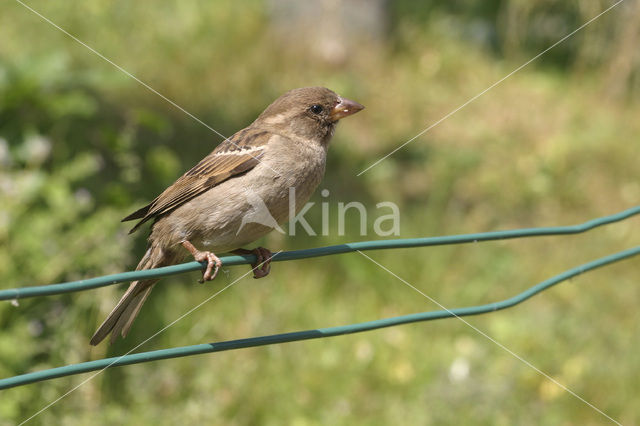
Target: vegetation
[{"x": 82, "y": 145}]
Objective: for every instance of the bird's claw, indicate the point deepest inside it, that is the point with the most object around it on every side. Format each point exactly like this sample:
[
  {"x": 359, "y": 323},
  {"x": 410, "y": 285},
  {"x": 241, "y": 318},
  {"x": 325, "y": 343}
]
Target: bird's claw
[
  {"x": 213, "y": 265},
  {"x": 213, "y": 262},
  {"x": 262, "y": 265}
]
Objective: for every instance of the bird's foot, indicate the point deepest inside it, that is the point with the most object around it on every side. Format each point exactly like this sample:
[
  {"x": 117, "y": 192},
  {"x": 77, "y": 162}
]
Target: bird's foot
[
  {"x": 262, "y": 266},
  {"x": 213, "y": 262}
]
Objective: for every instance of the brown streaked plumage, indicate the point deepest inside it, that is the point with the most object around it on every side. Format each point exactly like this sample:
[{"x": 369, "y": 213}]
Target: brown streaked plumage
[
  {"x": 283, "y": 149},
  {"x": 233, "y": 156}
]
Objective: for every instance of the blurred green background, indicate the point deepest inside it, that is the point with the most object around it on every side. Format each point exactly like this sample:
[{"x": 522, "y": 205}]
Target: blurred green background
[{"x": 82, "y": 145}]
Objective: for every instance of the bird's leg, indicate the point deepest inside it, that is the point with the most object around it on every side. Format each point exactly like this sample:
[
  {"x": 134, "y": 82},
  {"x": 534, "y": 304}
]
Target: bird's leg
[
  {"x": 262, "y": 266},
  {"x": 212, "y": 260}
]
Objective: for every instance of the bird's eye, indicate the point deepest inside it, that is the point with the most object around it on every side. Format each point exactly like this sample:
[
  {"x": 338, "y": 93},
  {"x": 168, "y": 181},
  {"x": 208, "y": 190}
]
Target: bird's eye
[{"x": 316, "y": 109}]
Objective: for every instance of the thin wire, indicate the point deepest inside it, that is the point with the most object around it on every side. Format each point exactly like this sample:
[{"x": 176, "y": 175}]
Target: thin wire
[
  {"x": 139, "y": 345},
  {"x": 52, "y": 289},
  {"x": 491, "y": 339},
  {"x": 491, "y": 87},
  {"x": 183, "y": 351}
]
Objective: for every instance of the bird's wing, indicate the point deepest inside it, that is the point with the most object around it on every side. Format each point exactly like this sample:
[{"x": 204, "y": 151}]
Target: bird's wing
[{"x": 233, "y": 156}]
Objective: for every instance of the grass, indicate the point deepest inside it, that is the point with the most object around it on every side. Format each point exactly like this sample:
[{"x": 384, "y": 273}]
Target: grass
[{"x": 546, "y": 147}]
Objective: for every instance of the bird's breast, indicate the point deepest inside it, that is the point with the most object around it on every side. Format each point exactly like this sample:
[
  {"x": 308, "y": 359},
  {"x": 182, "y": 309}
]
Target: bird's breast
[{"x": 289, "y": 169}]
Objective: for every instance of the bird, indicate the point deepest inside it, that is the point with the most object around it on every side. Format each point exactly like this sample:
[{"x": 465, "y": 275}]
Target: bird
[{"x": 280, "y": 158}]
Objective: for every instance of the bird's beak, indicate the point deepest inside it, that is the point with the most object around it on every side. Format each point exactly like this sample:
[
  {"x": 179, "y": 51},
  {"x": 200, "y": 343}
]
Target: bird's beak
[{"x": 344, "y": 109}]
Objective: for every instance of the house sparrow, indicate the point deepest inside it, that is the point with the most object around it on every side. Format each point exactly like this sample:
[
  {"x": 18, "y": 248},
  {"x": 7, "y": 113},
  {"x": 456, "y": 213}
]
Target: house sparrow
[{"x": 283, "y": 150}]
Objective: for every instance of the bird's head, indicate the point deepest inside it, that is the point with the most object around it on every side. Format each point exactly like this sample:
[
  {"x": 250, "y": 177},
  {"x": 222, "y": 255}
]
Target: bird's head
[{"x": 309, "y": 113}]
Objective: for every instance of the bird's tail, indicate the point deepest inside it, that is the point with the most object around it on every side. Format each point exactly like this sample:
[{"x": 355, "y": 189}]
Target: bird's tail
[{"x": 121, "y": 317}]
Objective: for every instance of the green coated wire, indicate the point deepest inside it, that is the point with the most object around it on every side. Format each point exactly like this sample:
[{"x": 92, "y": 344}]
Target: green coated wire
[
  {"x": 183, "y": 351},
  {"x": 68, "y": 287}
]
